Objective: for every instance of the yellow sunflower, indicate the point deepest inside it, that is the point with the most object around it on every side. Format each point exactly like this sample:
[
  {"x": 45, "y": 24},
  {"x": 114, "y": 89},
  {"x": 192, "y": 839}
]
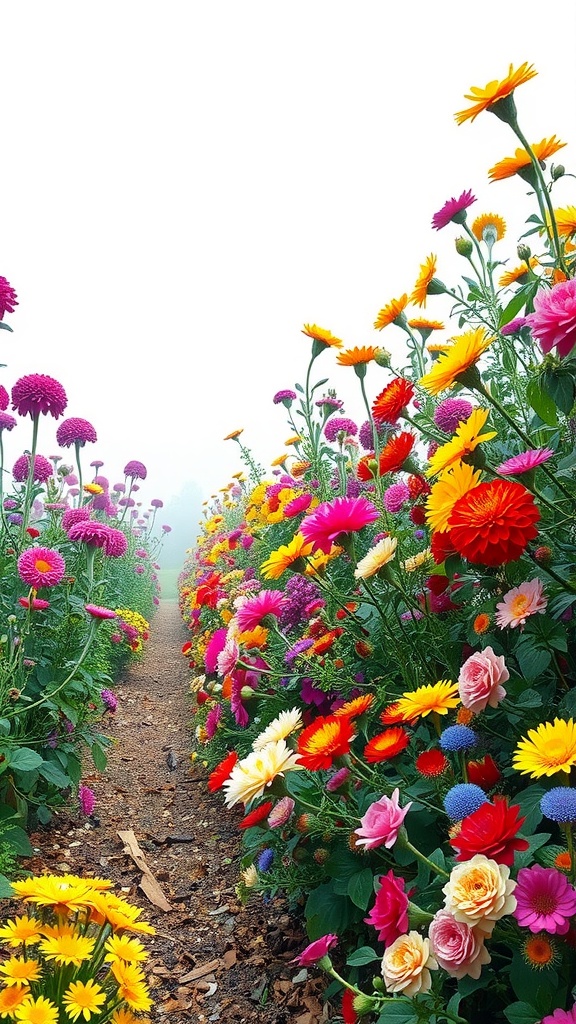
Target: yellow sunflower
[
  {"x": 389, "y": 314},
  {"x": 452, "y": 364},
  {"x": 466, "y": 439},
  {"x": 438, "y": 697},
  {"x": 494, "y": 91},
  {"x": 511, "y": 165},
  {"x": 427, "y": 271},
  {"x": 355, "y": 356},
  {"x": 487, "y": 221},
  {"x": 548, "y": 749},
  {"x": 451, "y": 485},
  {"x": 287, "y": 556}
]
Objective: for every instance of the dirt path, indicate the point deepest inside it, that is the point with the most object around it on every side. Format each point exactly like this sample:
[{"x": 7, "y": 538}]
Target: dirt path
[{"x": 211, "y": 959}]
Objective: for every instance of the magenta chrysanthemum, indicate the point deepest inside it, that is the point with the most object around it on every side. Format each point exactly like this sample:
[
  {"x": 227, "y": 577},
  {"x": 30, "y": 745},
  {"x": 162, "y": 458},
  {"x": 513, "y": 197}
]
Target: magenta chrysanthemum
[
  {"x": 553, "y": 321},
  {"x": 340, "y": 425},
  {"x": 7, "y": 422},
  {"x": 267, "y": 602},
  {"x": 74, "y": 515},
  {"x": 38, "y": 394},
  {"x": 524, "y": 462},
  {"x": 450, "y": 413},
  {"x": 545, "y": 900},
  {"x": 332, "y": 519},
  {"x": 137, "y": 470},
  {"x": 41, "y": 567},
  {"x": 285, "y": 397},
  {"x": 453, "y": 210},
  {"x": 8, "y": 299},
  {"x": 75, "y": 431},
  {"x": 116, "y": 543},
  {"x": 301, "y": 503},
  {"x": 90, "y": 532},
  {"x": 43, "y": 469},
  {"x": 86, "y": 799},
  {"x": 4, "y": 398},
  {"x": 395, "y": 497}
]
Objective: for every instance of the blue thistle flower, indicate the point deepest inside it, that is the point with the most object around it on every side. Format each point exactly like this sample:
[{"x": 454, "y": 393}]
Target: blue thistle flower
[
  {"x": 264, "y": 862},
  {"x": 463, "y": 799},
  {"x": 559, "y": 804},
  {"x": 458, "y": 737}
]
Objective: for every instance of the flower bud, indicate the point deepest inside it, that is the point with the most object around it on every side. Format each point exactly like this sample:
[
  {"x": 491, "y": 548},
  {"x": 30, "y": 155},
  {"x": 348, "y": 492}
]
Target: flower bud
[
  {"x": 543, "y": 554},
  {"x": 365, "y": 1004},
  {"x": 524, "y": 252},
  {"x": 436, "y": 287},
  {"x": 463, "y": 246},
  {"x": 382, "y": 357},
  {"x": 557, "y": 171},
  {"x": 321, "y": 855}
]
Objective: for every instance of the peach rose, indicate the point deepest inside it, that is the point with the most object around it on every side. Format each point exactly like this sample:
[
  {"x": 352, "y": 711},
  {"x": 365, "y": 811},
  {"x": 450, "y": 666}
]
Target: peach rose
[
  {"x": 479, "y": 892},
  {"x": 406, "y": 965},
  {"x": 480, "y": 680},
  {"x": 458, "y": 948}
]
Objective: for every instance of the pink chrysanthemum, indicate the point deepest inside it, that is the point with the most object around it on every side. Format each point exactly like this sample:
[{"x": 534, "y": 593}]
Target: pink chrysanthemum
[
  {"x": 340, "y": 425},
  {"x": 34, "y": 604},
  {"x": 301, "y": 503},
  {"x": 38, "y": 394},
  {"x": 560, "y": 1016},
  {"x": 395, "y": 497},
  {"x": 524, "y": 462},
  {"x": 519, "y": 603},
  {"x": 267, "y": 602},
  {"x": 553, "y": 321},
  {"x": 74, "y": 515},
  {"x": 334, "y": 518},
  {"x": 451, "y": 412},
  {"x": 41, "y": 567},
  {"x": 453, "y": 210},
  {"x": 545, "y": 900},
  {"x": 4, "y": 398},
  {"x": 86, "y": 799},
  {"x": 43, "y": 469},
  {"x": 137, "y": 470},
  {"x": 8, "y": 299},
  {"x": 7, "y": 422},
  {"x": 75, "y": 431},
  {"x": 97, "y": 611},
  {"x": 90, "y": 532},
  {"x": 116, "y": 543}
]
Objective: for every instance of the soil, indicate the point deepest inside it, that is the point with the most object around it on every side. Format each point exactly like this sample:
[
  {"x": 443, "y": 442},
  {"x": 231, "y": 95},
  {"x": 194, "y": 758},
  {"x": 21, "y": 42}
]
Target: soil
[{"x": 211, "y": 958}]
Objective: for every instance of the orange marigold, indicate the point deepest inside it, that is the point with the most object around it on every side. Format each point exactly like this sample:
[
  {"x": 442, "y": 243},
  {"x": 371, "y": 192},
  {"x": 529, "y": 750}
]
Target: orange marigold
[
  {"x": 427, "y": 271},
  {"x": 493, "y": 523},
  {"x": 395, "y": 452},
  {"x": 386, "y": 745},
  {"x": 324, "y": 740},
  {"x": 355, "y": 356},
  {"x": 355, "y": 707},
  {"x": 321, "y": 335},
  {"x": 390, "y": 313},
  {"x": 511, "y": 165}
]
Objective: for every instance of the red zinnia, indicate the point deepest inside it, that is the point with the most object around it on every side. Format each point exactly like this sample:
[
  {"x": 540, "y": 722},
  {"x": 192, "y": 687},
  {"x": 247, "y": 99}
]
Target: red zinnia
[
  {"x": 222, "y": 771},
  {"x": 491, "y": 830},
  {"x": 386, "y": 745},
  {"x": 389, "y": 404},
  {"x": 484, "y": 773},
  {"x": 395, "y": 452},
  {"x": 431, "y": 763},
  {"x": 493, "y": 522},
  {"x": 257, "y": 815},
  {"x": 324, "y": 740},
  {"x": 349, "y": 1015}
]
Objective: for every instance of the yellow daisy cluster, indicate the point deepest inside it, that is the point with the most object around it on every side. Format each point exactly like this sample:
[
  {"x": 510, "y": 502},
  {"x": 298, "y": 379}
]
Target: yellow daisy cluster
[{"x": 75, "y": 957}]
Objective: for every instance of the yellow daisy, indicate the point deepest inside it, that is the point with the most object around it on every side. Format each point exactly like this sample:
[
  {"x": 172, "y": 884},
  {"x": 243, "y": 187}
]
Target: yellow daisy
[
  {"x": 465, "y": 441},
  {"x": 318, "y": 560},
  {"x": 83, "y": 999},
  {"x": 565, "y": 217},
  {"x": 378, "y": 556},
  {"x": 439, "y": 697},
  {"x": 131, "y": 985},
  {"x": 21, "y": 930},
  {"x": 488, "y": 220},
  {"x": 37, "y": 1011},
  {"x": 357, "y": 355},
  {"x": 287, "y": 556},
  {"x": 451, "y": 485},
  {"x": 427, "y": 271},
  {"x": 11, "y": 997},
  {"x": 18, "y": 971},
  {"x": 494, "y": 91},
  {"x": 295, "y": 439},
  {"x": 66, "y": 946},
  {"x": 122, "y": 947},
  {"x": 455, "y": 361},
  {"x": 511, "y": 165},
  {"x": 93, "y": 489},
  {"x": 417, "y": 561},
  {"x": 321, "y": 335},
  {"x": 280, "y": 459},
  {"x": 124, "y": 1016},
  {"x": 390, "y": 313},
  {"x": 548, "y": 749}
]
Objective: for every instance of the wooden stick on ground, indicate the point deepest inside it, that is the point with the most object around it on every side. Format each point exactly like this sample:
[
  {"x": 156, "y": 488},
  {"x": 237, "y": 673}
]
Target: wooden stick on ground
[{"x": 148, "y": 883}]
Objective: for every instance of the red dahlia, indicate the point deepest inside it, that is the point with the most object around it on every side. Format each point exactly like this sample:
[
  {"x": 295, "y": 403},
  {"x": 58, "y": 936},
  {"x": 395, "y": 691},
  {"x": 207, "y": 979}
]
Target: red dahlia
[
  {"x": 491, "y": 830},
  {"x": 493, "y": 522}
]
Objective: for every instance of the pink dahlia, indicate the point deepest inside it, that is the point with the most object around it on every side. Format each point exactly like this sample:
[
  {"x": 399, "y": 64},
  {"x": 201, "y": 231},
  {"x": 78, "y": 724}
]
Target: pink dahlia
[
  {"x": 8, "y": 298},
  {"x": 333, "y": 519},
  {"x": 267, "y": 602},
  {"x": 38, "y": 394},
  {"x": 453, "y": 210},
  {"x": 519, "y": 603},
  {"x": 553, "y": 321},
  {"x": 7, "y": 422},
  {"x": 389, "y": 915},
  {"x": 75, "y": 431},
  {"x": 524, "y": 462},
  {"x": 41, "y": 567},
  {"x": 137, "y": 470},
  {"x": 116, "y": 543},
  {"x": 396, "y": 496},
  {"x": 545, "y": 900},
  {"x": 382, "y": 822},
  {"x": 43, "y": 469}
]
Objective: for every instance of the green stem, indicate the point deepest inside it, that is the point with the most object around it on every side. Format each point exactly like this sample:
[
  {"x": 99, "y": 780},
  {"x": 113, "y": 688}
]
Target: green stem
[
  {"x": 69, "y": 677},
  {"x": 425, "y": 860},
  {"x": 543, "y": 196}
]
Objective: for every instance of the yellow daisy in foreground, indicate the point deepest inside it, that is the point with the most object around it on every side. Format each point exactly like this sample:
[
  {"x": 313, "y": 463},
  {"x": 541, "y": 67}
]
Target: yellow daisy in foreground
[
  {"x": 83, "y": 999},
  {"x": 517, "y": 273},
  {"x": 37, "y": 1011},
  {"x": 427, "y": 271},
  {"x": 287, "y": 556},
  {"x": 494, "y": 91},
  {"x": 122, "y": 947},
  {"x": 356, "y": 356},
  {"x": 21, "y": 930},
  {"x": 11, "y": 997},
  {"x": 451, "y": 485},
  {"x": 486, "y": 221},
  {"x": 511, "y": 165},
  {"x": 132, "y": 985},
  {"x": 453, "y": 363},
  {"x": 548, "y": 749},
  {"x": 438, "y": 697},
  {"x": 390, "y": 313},
  {"x": 565, "y": 217},
  {"x": 466, "y": 439},
  {"x": 66, "y": 946},
  {"x": 378, "y": 556},
  {"x": 18, "y": 971},
  {"x": 321, "y": 335}
]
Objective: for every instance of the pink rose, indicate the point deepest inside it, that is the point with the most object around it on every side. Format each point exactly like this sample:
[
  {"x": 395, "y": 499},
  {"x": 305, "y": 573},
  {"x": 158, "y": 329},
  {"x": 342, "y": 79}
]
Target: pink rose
[
  {"x": 315, "y": 951},
  {"x": 480, "y": 679},
  {"x": 389, "y": 915},
  {"x": 456, "y": 946},
  {"x": 382, "y": 822},
  {"x": 553, "y": 321}
]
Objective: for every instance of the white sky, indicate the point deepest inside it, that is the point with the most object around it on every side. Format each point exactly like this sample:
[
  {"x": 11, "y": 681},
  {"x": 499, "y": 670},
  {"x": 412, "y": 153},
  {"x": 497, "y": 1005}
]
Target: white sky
[{"x": 185, "y": 184}]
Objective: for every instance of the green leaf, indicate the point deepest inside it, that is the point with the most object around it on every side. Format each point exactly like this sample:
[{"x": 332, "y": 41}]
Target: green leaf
[
  {"x": 99, "y": 757},
  {"x": 25, "y": 760},
  {"x": 16, "y": 838},
  {"x": 513, "y": 307},
  {"x": 559, "y": 385},
  {"x": 399, "y": 1011},
  {"x": 524, "y": 858},
  {"x": 44, "y": 814},
  {"x": 52, "y": 773},
  {"x": 363, "y": 955},
  {"x": 361, "y": 888},
  {"x": 529, "y": 803},
  {"x": 6, "y": 890},
  {"x": 542, "y": 404},
  {"x": 4, "y": 327},
  {"x": 532, "y": 660},
  {"x": 522, "y": 1013}
]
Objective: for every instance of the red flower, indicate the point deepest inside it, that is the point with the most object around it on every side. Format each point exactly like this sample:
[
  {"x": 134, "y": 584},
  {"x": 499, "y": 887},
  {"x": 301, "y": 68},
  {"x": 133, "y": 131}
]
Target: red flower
[
  {"x": 493, "y": 522},
  {"x": 386, "y": 745},
  {"x": 389, "y": 404},
  {"x": 417, "y": 485},
  {"x": 431, "y": 763},
  {"x": 491, "y": 830},
  {"x": 257, "y": 815},
  {"x": 222, "y": 772},
  {"x": 207, "y": 593},
  {"x": 441, "y": 547},
  {"x": 325, "y": 739},
  {"x": 349, "y": 1015},
  {"x": 324, "y": 642},
  {"x": 33, "y": 532},
  {"x": 484, "y": 773},
  {"x": 389, "y": 915},
  {"x": 395, "y": 452},
  {"x": 390, "y": 714}
]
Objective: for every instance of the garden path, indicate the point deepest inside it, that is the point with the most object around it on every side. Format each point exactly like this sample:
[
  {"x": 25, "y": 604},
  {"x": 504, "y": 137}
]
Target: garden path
[{"x": 211, "y": 958}]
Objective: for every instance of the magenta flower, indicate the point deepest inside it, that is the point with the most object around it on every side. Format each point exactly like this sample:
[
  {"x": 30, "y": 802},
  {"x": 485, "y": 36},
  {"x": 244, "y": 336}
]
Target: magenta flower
[
  {"x": 524, "y": 462},
  {"x": 301, "y": 503},
  {"x": 213, "y": 648},
  {"x": 519, "y": 603},
  {"x": 315, "y": 951},
  {"x": 97, "y": 611},
  {"x": 4, "y": 398},
  {"x": 396, "y": 496},
  {"x": 382, "y": 822},
  {"x": 116, "y": 543},
  {"x": 338, "y": 779},
  {"x": 451, "y": 412},
  {"x": 137, "y": 470},
  {"x": 333, "y": 519},
  {"x": 7, "y": 422},
  {"x": 212, "y": 719},
  {"x": 340, "y": 425},
  {"x": 389, "y": 915},
  {"x": 43, "y": 469},
  {"x": 75, "y": 431},
  {"x": 90, "y": 532},
  {"x": 560, "y": 1017},
  {"x": 74, "y": 515},
  {"x": 38, "y": 394},
  {"x": 156, "y": 503},
  {"x": 86, "y": 799},
  {"x": 281, "y": 812},
  {"x": 254, "y": 609},
  {"x": 553, "y": 321},
  {"x": 453, "y": 210},
  {"x": 513, "y": 326},
  {"x": 545, "y": 900},
  {"x": 41, "y": 567},
  {"x": 286, "y": 397},
  {"x": 109, "y": 699},
  {"x": 8, "y": 298}
]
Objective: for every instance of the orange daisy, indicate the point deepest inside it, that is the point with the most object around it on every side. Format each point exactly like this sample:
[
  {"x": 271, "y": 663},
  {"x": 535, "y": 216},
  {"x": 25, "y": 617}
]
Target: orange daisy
[
  {"x": 420, "y": 323},
  {"x": 389, "y": 314},
  {"x": 451, "y": 364},
  {"x": 392, "y": 714},
  {"x": 494, "y": 91},
  {"x": 358, "y": 706},
  {"x": 232, "y": 437},
  {"x": 511, "y": 165},
  {"x": 386, "y": 745},
  {"x": 321, "y": 335},
  {"x": 324, "y": 740},
  {"x": 299, "y": 468},
  {"x": 427, "y": 271},
  {"x": 395, "y": 452},
  {"x": 489, "y": 220},
  {"x": 355, "y": 356},
  {"x": 517, "y": 273}
]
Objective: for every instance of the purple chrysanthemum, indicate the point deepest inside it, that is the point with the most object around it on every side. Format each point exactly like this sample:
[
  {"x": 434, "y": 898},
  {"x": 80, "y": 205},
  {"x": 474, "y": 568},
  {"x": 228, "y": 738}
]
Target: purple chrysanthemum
[
  {"x": 7, "y": 422},
  {"x": 137, "y": 470},
  {"x": 109, "y": 699},
  {"x": 166, "y": 529},
  {"x": 328, "y": 402},
  {"x": 395, "y": 497},
  {"x": 87, "y": 800},
  {"x": 38, "y": 394},
  {"x": 524, "y": 462},
  {"x": 119, "y": 488},
  {"x": 90, "y": 532},
  {"x": 8, "y": 299},
  {"x": 451, "y": 412},
  {"x": 545, "y": 900},
  {"x": 340, "y": 425},
  {"x": 41, "y": 567},
  {"x": 127, "y": 502},
  {"x": 285, "y": 397},
  {"x": 453, "y": 210},
  {"x": 43, "y": 469},
  {"x": 75, "y": 431}
]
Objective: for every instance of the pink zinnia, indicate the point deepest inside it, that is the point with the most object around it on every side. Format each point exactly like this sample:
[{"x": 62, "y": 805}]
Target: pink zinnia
[
  {"x": 97, "y": 611},
  {"x": 301, "y": 503},
  {"x": 389, "y": 915},
  {"x": 560, "y": 1017},
  {"x": 35, "y": 604},
  {"x": 553, "y": 321},
  {"x": 8, "y": 298},
  {"x": 453, "y": 210},
  {"x": 41, "y": 567},
  {"x": 332, "y": 519},
  {"x": 545, "y": 900},
  {"x": 42, "y": 472},
  {"x": 382, "y": 822},
  {"x": 38, "y": 394},
  {"x": 74, "y": 515},
  {"x": 519, "y": 603},
  {"x": 524, "y": 462},
  {"x": 75, "y": 431},
  {"x": 267, "y": 602}
]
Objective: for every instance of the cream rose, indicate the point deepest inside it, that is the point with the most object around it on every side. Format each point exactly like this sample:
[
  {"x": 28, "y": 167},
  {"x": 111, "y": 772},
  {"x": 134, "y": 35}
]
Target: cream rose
[
  {"x": 406, "y": 965},
  {"x": 479, "y": 892}
]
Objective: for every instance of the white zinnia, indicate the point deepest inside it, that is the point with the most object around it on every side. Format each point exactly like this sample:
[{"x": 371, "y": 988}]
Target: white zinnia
[
  {"x": 250, "y": 776},
  {"x": 285, "y": 723},
  {"x": 382, "y": 553}
]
